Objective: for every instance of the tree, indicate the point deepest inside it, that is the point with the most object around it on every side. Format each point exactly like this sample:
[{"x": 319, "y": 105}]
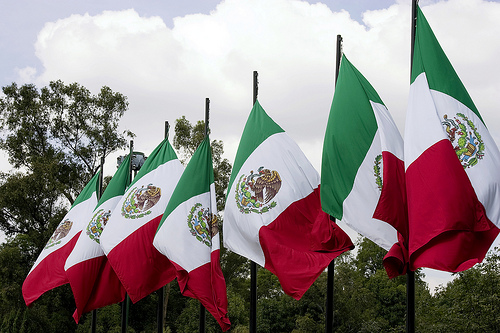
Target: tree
[
  {"x": 56, "y": 135},
  {"x": 54, "y": 138},
  {"x": 366, "y": 300},
  {"x": 30, "y": 205},
  {"x": 471, "y": 301},
  {"x": 187, "y": 139}
]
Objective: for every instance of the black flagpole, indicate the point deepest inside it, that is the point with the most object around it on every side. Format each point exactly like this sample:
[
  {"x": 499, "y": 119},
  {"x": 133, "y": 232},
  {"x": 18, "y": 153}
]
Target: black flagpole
[
  {"x": 253, "y": 265},
  {"x": 126, "y": 302},
  {"x": 159, "y": 309},
  {"x": 331, "y": 266},
  {"x": 414, "y": 4},
  {"x": 161, "y": 292},
  {"x": 410, "y": 275},
  {"x": 93, "y": 325},
  {"x": 202, "y": 308}
]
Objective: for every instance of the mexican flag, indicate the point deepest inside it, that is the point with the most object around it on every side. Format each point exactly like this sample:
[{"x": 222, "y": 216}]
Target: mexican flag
[
  {"x": 93, "y": 282},
  {"x": 273, "y": 212},
  {"x": 188, "y": 235},
  {"x": 48, "y": 271},
  {"x": 362, "y": 172},
  {"x": 451, "y": 161},
  {"x": 127, "y": 240}
]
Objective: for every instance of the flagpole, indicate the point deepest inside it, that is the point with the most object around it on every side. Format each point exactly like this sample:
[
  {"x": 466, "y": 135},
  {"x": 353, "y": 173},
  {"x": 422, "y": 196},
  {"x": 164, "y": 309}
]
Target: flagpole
[
  {"x": 253, "y": 265},
  {"x": 207, "y": 114},
  {"x": 339, "y": 57},
  {"x": 414, "y": 4},
  {"x": 93, "y": 324},
  {"x": 203, "y": 311},
  {"x": 410, "y": 275},
  {"x": 331, "y": 267},
  {"x": 126, "y": 301},
  {"x": 161, "y": 292}
]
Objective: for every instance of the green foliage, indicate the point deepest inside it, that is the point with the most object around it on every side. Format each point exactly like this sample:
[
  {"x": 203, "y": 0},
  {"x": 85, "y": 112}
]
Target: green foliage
[
  {"x": 366, "y": 300},
  {"x": 238, "y": 309},
  {"x": 369, "y": 257},
  {"x": 188, "y": 320},
  {"x": 306, "y": 324},
  {"x": 176, "y": 304},
  {"x": 63, "y": 127},
  {"x": 30, "y": 205},
  {"x": 50, "y": 313},
  {"x": 471, "y": 301},
  {"x": 188, "y": 137},
  {"x": 143, "y": 314}
]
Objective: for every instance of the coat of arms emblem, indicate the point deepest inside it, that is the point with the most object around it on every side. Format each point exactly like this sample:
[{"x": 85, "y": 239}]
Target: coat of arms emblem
[
  {"x": 61, "y": 231},
  {"x": 202, "y": 224},
  {"x": 255, "y": 191},
  {"x": 376, "y": 172},
  {"x": 97, "y": 224},
  {"x": 139, "y": 201},
  {"x": 465, "y": 139}
]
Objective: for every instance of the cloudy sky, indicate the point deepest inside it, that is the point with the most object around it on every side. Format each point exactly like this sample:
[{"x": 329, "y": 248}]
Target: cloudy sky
[{"x": 168, "y": 56}]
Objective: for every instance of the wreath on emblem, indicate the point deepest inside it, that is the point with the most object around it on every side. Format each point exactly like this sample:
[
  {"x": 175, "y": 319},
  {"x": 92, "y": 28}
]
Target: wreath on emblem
[
  {"x": 139, "y": 201},
  {"x": 465, "y": 139},
  {"x": 61, "y": 231},
  {"x": 97, "y": 224},
  {"x": 255, "y": 191},
  {"x": 376, "y": 172},
  {"x": 202, "y": 224}
]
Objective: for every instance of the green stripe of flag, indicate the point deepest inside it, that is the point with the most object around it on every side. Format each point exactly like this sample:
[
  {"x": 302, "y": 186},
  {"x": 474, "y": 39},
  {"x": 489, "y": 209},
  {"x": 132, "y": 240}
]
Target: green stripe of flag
[
  {"x": 258, "y": 128},
  {"x": 160, "y": 155},
  {"x": 91, "y": 187},
  {"x": 349, "y": 134},
  {"x": 430, "y": 58},
  {"x": 195, "y": 179},
  {"x": 118, "y": 183}
]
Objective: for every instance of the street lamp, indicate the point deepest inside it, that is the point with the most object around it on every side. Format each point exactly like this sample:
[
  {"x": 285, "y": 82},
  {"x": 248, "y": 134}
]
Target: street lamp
[{"x": 138, "y": 159}]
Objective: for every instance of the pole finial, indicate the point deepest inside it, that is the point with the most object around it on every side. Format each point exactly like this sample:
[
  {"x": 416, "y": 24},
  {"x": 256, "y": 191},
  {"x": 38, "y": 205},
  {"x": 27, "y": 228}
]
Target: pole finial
[
  {"x": 207, "y": 115},
  {"x": 255, "y": 86},
  {"x": 130, "y": 161},
  {"x": 339, "y": 57}
]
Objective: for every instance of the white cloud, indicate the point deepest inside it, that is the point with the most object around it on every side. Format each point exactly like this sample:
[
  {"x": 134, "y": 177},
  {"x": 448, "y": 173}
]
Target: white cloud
[
  {"x": 167, "y": 73},
  {"x": 26, "y": 75},
  {"x": 114, "y": 48},
  {"x": 437, "y": 279}
]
